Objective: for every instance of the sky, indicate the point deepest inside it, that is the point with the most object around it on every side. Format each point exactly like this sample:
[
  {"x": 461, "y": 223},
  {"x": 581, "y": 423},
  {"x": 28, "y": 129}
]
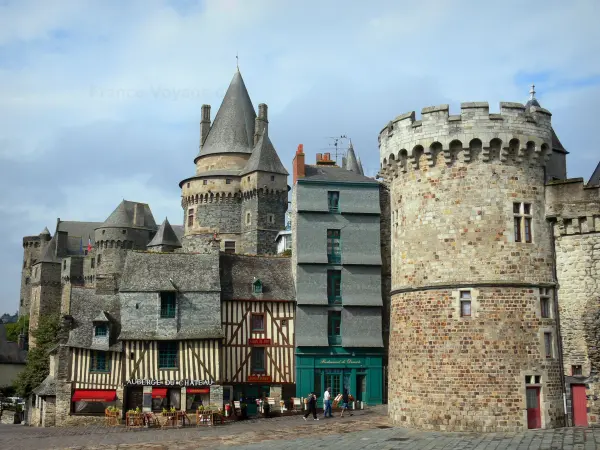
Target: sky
[{"x": 100, "y": 100}]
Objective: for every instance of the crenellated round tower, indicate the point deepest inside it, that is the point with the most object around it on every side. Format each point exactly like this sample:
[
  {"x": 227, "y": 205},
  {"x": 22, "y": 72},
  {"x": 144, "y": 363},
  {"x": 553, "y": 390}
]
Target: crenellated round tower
[
  {"x": 33, "y": 247},
  {"x": 473, "y": 337},
  {"x": 239, "y": 191}
]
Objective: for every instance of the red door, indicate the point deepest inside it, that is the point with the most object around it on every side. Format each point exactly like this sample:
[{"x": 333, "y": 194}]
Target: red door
[
  {"x": 534, "y": 416},
  {"x": 579, "y": 401}
]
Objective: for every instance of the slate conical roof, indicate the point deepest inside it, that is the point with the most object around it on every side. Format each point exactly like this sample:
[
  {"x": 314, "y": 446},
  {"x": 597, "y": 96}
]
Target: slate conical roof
[
  {"x": 49, "y": 254},
  {"x": 165, "y": 236},
  {"x": 45, "y": 232},
  {"x": 264, "y": 158},
  {"x": 233, "y": 128},
  {"x": 351, "y": 162},
  {"x": 360, "y": 167}
]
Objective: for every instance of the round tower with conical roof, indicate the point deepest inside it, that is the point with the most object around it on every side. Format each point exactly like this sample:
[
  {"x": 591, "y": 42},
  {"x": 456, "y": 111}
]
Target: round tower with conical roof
[
  {"x": 473, "y": 334},
  {"x": 239, "y": 192}
]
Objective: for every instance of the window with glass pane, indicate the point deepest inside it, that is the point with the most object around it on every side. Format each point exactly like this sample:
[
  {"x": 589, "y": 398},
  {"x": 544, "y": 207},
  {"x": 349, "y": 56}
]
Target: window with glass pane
[
  {"x": 98, "y": 362},
  {"x": 333, "y": 198},
  {"x": 190, "y": 217},
  {"x": 101, "y": 330},
  {"x": 229, "y": 246},
  {"x": 548, "y": 344},
  {"x": 258, "y": 322},
  {"x": 167, "y": 355},
  {"x": 522, "y": 222},
  {"x": 334, "y": 286},
  {"x": 576, "y": 370},
  {"x": 545, "y": 307},
  {"x": 168, "y": 305},
  {"x": 334, "y": 329},
  {"x": 257, "y": 287},
  {"x": 334, "y": 250},
  {"x": 258, "y": 359}
]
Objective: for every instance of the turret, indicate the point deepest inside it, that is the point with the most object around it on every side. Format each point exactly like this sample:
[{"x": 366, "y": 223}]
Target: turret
[{"x": 33, "y": 247}]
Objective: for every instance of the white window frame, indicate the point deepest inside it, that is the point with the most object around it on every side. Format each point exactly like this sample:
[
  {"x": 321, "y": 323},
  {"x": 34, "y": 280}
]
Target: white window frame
[
  {"x": 522, "y": 217},
  {"x": 456, "y": 296}
]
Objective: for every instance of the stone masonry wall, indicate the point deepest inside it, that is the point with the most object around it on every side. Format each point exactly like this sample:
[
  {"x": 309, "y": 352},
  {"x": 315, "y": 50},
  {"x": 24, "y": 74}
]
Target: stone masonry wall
[
  {"x": 453, "y": 182},
  {"x": 258, "y": 235}
]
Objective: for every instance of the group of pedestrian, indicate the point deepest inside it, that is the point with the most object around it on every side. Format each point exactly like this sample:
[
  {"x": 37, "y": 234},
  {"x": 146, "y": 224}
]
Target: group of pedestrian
[{"x": 312, "y": 404}]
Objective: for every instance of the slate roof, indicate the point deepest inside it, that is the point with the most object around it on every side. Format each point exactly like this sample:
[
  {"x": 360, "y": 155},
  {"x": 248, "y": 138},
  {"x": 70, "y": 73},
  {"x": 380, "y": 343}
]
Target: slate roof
[
  {"x": 238, "y": 273},
  {"x": 9, "y": 351},
  {"x": 49, "y": 255},
  {"x": 86, "y": 306},
  {"x": 45, "y": 232},
  {"x": 556, "y": 144},
  {"x": 78, "y": 233},
  {"x": 351, "y": 162},
  {"x": 595, "y": 178},
  {"x": 264, "y": 158},
  {"x": 333, "y": 173},
  {"x": 101, "y": 317},
  {"x": 123, "y": 216},
  {"x": 179, "y": 231},
  {"x": 232, "y": 131},
  {"x": 150, "y": 272},
  {"x": 165, "y": 236},
  {"x": 46, "y": 388},
  {"x": 360, "y": 167}
]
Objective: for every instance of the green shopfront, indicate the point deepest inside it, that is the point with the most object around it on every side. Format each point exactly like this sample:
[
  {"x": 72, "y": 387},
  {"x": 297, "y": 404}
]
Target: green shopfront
[{"x": 358, "y": 370}]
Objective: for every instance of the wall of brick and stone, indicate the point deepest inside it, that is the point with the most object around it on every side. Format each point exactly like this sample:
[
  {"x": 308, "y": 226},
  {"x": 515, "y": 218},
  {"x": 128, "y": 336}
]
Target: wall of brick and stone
[{"x": 575, "y": 212}]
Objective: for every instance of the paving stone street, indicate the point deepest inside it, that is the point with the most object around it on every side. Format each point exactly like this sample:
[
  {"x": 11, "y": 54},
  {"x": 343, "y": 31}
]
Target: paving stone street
[{"x": 364, "y": 430}]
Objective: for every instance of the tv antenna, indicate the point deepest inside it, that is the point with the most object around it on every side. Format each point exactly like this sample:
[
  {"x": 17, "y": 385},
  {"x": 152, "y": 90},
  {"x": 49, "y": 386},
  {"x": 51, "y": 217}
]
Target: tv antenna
[{"x": 336, "y": 141}]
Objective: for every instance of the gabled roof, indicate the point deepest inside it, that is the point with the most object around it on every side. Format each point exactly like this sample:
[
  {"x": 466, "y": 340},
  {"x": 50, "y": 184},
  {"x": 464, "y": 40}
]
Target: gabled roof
[
  {"x": 264, "y": 158},
  {"x": 101, "y": 317},
  {"x": 595, "y": 178},
  {"x": 232, "y": 131},
  {"x": 46, "y": 388},
  {"x": 9, "y": 351},
  {"x": 78, "y": 234},
  {"x": 351, "y": 162},
  {"x": 334, "y": 174},
  {"x": 123, "y": 216},
  {"x": 49, "y": 255},
  {"x": 165, "y": 236}
]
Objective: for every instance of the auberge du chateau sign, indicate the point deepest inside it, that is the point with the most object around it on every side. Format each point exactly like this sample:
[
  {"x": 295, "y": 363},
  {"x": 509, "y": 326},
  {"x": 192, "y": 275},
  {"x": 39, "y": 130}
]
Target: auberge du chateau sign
[{"x": 152, "y": 382}]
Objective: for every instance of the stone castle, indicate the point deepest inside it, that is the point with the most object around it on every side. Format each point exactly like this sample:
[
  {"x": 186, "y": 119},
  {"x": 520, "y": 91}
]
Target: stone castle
[
  {"x": 495, "y": 296},
  {"x": 490, "y": 254}
]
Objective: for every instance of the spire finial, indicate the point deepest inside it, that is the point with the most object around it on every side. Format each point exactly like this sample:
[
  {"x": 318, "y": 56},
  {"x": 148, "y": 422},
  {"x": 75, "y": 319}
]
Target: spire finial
[
  {"x": 237, "y": 61},
  {"x": 532, "y": 92}
]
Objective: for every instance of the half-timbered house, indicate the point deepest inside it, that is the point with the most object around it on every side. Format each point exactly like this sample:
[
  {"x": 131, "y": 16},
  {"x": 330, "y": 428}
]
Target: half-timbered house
[{"x": 258, "y": 322}]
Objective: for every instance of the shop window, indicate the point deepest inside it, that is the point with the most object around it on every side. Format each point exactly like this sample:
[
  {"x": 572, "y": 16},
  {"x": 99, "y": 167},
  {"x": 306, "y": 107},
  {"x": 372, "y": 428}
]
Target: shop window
[
  {"x": 334, "y": 327},
  {"x": 92, "y": 402},
  {"x": 258, "y": 322},
  {"x": 522, "y": 222},
  {"x": 334, "y": 250},
  {"x": 465, "y": 303},
  {"x": 334, "y": 287},
  {"x": 99, "y": 362},
  {"x": 168, "y": 305},
  {"x": 167, "y": 355},
  {"x": 257, "y": 287},
  {"x": 258, "y": 359},
  {"x": 333, "y": 200},
  {"x": 101, "y": 330},
  {"x": 545, "y": 303},
  {"x": 229, "y": 246},
  {"x": 576, "y": 371}
]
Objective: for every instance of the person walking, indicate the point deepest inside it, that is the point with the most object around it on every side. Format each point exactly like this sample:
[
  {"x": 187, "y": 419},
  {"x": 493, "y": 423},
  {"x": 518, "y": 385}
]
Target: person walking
[
  {"x": 345, "y": 400},
  {"x": 327, "y": 403},
  {"x": 312, "y": 406}
]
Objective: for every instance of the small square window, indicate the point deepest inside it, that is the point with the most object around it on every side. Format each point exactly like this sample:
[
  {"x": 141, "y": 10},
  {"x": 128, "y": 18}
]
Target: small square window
[
  {"x": 465, "y": 308},
  {"x": 333, "y": 200},
  {"x": 204, "y": 182},
  {"x": 537, "y": 379},
  {"x": 272, "y": 177},
  {"x": 258, "y": 323},
  {"x": 516, "y": 208},
  {"x": 576, "y": 371},
  {"x": 228, "y": 181},
  {"x": 101, "y": 330},
  {"x": 229, "y": 246},
  {"x": 248, "y": 178},
  {"x": 257, "y": 287},
  {"x": 465, "y": 295},
  {"x": 98, "y": 362},
  {"x": 167, "y": 355},
  {"x": 526, "y": 208},
  {"x": 188, "y": 185}
]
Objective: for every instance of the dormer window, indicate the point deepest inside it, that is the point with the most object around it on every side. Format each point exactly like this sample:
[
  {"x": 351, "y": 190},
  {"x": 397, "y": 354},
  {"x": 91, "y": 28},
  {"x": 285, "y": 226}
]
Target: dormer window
[
  {"x": 168, "y": 305},
  {"x": 101, "y": 330},
  {"x": 257, "y": 287}
]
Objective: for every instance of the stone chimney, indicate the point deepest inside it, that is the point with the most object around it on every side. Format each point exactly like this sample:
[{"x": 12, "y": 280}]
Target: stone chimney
[
  {"x": 325, "y": 159},
  {"x": 204, "y": 124},
  {"x": 298, "y": 164},
  {"x": 261, "y": 123},
  {"x": 138, "y": 215}
]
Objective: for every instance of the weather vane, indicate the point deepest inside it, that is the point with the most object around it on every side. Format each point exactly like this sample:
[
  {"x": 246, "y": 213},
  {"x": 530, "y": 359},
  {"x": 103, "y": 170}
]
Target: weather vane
[{"x": 237, "y": 61}]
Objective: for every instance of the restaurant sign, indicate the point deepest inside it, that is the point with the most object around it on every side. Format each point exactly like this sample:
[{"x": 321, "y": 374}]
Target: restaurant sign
[
  {"x": 259, "y": 378},
  {"x": 263, "y": 341},
  {"x": 352, "y": 362},
  {"x": 152, "y": 382}
]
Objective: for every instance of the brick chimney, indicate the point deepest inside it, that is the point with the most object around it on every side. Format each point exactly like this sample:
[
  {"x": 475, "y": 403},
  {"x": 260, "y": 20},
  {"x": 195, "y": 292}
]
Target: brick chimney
[
  {"x": 298, "y": 164},
  {"x": 325, "y": 159}
]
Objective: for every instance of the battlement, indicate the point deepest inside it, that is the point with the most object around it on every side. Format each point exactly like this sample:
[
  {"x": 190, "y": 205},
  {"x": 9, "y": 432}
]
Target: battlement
[
  {"x": 573, "y": 206},
  {"x": 517, "y": 132},
  {"x": 229, "y": 197}
]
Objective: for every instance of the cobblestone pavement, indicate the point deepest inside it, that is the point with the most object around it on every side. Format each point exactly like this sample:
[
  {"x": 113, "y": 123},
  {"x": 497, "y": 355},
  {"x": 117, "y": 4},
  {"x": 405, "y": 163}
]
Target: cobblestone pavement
[{"x": 364, "y": 430}]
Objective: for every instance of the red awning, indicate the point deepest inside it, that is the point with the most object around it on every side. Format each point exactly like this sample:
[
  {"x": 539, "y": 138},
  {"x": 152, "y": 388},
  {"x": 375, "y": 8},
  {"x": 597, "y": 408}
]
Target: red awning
[
  {"x": 197, "y": 391},
  {"x": 159, "y": 392},
  {"x": 81, "y": 395}
]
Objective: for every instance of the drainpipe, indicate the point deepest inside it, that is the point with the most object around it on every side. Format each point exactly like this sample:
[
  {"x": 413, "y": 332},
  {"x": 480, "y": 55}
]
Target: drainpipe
[{"x": 558, "y": 333}]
